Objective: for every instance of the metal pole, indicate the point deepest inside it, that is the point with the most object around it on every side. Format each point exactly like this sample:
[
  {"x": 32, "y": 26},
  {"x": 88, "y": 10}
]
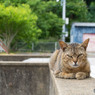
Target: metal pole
[
  {"x": 55, "y": 45},
  {"x": 63, "y": 17},
  {"x": 32, "y": 46}
]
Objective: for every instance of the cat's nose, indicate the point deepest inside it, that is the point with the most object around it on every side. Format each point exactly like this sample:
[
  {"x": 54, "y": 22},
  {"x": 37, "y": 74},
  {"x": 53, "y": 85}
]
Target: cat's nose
[{"x": 75, "y": 62}]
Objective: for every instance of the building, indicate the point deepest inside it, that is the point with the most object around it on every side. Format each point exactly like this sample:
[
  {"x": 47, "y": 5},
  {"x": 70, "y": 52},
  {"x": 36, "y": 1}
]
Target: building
[{"x": 81, "y": 31}]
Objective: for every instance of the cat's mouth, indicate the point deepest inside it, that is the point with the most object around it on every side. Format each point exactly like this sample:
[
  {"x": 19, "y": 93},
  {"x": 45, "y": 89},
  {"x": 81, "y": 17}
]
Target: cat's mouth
[{"x": 74, "y": 65}]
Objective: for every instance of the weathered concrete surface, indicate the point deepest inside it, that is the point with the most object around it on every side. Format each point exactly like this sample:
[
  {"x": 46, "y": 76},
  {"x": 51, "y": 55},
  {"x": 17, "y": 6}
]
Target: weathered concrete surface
[
  {"x": 21, "y": 57},
  {"x": 42, "y": 60},
  {"x": 32, "y": 78},
  {"x": 72, "y": 86},
  {"x": 24, "y": 78},
  {"x": 91, "y": 60}
]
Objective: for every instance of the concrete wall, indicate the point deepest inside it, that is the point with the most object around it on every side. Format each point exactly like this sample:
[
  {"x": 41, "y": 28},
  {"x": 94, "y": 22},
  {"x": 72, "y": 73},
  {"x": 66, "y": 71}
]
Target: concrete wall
[
  {"x": 53, "y": 89},
  {"x": 60, "y": 86},
  {"x": 24, "y": 79},
  {"x": 19, "y": 78},
  {"x": 21, "y": 57}
]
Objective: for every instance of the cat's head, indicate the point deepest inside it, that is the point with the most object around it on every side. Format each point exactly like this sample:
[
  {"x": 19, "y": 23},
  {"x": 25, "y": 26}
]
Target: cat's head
[{"x": 74, "y": 55}]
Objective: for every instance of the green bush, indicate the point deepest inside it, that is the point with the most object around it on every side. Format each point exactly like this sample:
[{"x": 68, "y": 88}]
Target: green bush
[{"x": 17, "y": 21}]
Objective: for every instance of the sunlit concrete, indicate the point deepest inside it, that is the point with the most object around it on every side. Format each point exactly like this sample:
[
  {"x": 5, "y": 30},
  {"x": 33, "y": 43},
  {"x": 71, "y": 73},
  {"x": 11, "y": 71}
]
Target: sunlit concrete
[{"x": 42, "y": 60}]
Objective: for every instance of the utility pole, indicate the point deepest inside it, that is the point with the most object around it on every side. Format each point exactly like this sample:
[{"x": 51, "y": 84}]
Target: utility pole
[
  {"x": 64, "y": 18},
  {"x": 63, "y": 3}
]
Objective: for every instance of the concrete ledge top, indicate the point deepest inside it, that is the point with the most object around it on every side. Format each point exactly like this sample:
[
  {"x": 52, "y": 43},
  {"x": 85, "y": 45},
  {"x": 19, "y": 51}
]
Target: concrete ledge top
[
  {"x": 20, "y": 63},
  {"x": 74, "y": 86},
  {"x": 38, "y": 55},
  {"x": 29, "y": 54}
]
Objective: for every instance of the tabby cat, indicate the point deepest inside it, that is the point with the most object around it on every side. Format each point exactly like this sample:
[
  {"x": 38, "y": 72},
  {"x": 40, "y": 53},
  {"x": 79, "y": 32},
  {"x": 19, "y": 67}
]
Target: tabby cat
[{"x": 70, "y": 61}]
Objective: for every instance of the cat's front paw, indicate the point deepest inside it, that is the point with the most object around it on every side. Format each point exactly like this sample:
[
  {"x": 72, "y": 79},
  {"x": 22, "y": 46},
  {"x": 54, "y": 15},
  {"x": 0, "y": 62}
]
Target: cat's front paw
[
  {"x": 65, "y": 75},
  {"x": 80, "y": 75},
  {"x": 59, "y": 75}
]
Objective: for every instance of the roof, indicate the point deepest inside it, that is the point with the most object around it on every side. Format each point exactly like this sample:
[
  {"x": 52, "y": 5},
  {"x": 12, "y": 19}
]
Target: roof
[{"x": 84, "y": 24}]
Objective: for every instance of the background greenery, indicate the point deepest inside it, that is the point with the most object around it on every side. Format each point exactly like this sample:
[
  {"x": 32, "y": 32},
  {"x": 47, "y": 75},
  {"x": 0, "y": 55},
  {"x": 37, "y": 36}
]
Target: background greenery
[{"x": 40, "y": 20}]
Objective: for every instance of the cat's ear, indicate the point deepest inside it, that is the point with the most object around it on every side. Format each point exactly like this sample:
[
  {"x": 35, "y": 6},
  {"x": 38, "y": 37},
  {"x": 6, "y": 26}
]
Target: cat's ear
[
  {"x": 85, "y": 43},
  {"x": 63, "y": 45}
]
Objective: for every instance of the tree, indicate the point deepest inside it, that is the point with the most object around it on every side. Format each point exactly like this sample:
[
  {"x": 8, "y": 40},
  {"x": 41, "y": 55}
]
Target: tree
[
  {"x": 77, "y": 10},
  {"x": 91, "y": 15},
  {"x": 49, "y": 13},
  {"x": 49, "y": 20},
  {"x": 16, "y": 20},
  {"x": 88, "y": 2}
]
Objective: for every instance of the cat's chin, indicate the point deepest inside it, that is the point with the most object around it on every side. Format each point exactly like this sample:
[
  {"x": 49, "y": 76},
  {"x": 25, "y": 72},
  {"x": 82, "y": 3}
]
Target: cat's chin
[{"x": 74, "y": 66}]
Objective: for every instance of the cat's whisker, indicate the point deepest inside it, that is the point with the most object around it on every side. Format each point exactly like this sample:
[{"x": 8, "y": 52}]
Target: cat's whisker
[{"x": 73, "y": 63}]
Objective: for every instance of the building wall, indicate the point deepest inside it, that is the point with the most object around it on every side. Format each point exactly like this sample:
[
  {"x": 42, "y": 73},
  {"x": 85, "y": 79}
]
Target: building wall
[
  {"x": 81, "y": 31},
  {"x": 77, "y": 33}
]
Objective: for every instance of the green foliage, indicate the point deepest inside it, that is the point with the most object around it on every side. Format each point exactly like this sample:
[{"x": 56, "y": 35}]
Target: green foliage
[
  {"x": 49, "y": 20},
  {"x": 91, "y": 15},
  {"x": 17, "y": 21},
  {"x": 48, "y": 14},
  {"x": 77, "y": 10}
]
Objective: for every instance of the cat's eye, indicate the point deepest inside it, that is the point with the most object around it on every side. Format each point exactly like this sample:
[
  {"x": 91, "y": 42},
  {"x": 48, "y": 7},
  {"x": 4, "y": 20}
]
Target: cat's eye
[
  {"x": 69, "y": 56},
  {"x": 80, "y": 55}
]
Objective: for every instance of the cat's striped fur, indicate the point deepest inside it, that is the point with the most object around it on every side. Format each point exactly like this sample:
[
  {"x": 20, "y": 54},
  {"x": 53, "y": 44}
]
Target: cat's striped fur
[{"x": 71, "y": 61}]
